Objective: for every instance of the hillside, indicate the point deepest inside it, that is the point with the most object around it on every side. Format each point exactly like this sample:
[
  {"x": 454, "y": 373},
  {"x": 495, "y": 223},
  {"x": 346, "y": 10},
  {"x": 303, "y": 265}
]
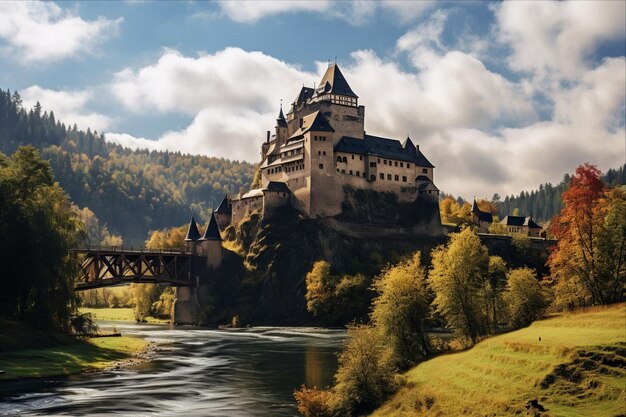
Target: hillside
[
  {"x": 573, "y": 364},
  {"x": 132, "y": 192}
]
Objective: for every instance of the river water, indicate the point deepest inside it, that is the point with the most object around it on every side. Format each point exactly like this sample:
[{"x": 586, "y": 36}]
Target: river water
[{"x": 194, "y": 372}]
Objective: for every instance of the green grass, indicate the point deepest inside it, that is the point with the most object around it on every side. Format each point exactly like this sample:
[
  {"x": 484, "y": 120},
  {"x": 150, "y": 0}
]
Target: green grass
[
  {"x": 119, "y": 314},
  {"x": 30, "y": 353},
  {"x": 577, "y": 369}
]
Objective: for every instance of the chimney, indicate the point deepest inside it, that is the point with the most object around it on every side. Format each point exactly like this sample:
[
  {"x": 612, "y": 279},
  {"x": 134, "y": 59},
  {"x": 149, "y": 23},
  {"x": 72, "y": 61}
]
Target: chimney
[
  {"x": 268, "y": 136},
  {"x": 418, "y": 148},
  {"x": 301, "y": 121},
  {"x": 240, "y": 192}
]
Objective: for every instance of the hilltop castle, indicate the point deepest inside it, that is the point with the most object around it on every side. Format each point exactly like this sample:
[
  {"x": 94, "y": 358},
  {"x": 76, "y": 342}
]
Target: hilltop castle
[{"x": 319, "y": 148}]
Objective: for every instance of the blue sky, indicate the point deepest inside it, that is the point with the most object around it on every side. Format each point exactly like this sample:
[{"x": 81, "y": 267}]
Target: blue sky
[{"x": 500, "y": 96}]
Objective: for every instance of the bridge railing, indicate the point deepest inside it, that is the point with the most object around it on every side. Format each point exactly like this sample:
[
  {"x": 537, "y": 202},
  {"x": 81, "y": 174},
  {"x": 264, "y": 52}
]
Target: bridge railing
[{"x": 129, "y": 249}]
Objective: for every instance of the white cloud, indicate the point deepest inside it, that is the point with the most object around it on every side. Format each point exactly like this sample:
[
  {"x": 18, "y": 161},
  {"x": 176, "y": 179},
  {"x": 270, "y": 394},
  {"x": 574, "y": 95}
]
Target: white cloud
[
  {"x": 554, "y": 39},
  {"x": 354, "y": 12},
  {"x": 68, "y": 106},
  {"x": 43, "y": 32},
  {"x": 477, "y": 126}
]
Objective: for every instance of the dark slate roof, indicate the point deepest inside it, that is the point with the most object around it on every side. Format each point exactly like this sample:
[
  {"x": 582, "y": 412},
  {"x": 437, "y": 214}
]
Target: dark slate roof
[
  {"x": 520, "y": 221},
  {"x": 483, "y": 216},
  {"x": 531, "y": 224},
  {"x": 333, "y": 82},
  {"x": 192, "y": 231},
  {"x": 305, "y": 94},
  {"x": 281, "y": 121},
  {"x": 212, "y": 231},
  {"x": 225, "y": 207},
  {"x": 422, "y": 178},
  {"x": 383, "y": 147},
  {"x": 409, "y": 146},
  {"x": 315, "y": 122},
  {"x": 277, "y": 186}
]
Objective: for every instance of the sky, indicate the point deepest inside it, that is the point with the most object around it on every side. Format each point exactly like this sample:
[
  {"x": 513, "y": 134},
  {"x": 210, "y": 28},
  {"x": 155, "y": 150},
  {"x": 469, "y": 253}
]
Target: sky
[{"x": 501, "y": 97}]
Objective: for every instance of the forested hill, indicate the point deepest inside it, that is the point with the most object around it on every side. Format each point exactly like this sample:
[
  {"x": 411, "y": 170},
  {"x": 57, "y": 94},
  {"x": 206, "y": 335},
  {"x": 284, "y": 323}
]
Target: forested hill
[
  {"x": 132, "y": 191},
  {"x": 544, "y": 203}
]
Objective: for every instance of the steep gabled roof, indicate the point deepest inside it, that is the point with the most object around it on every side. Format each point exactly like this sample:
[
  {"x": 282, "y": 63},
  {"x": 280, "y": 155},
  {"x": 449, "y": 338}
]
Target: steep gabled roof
[
  {"x": 212, "y": 231},
  {"x": 483, "y": 216},
  {"x": 225, "y": 207},
  {"x": 315, "y": 122},
  {"x": 409, "y": 146},
  {"x": 277, "y": 186},
  {"x": 383, "y": 147},
  {"x": 333, "y": 82},
  {"x": 304, "y": 94},
  {"x": 192, "y": 231}
]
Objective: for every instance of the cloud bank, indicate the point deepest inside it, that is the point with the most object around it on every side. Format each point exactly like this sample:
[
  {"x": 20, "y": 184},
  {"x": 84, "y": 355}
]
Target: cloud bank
[{"x": 43, "y": 32}]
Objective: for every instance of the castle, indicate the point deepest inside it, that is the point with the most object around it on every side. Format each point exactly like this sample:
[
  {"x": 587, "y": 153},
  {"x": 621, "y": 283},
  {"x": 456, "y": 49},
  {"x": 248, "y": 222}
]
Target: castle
[{"x": 319, "y": 148}]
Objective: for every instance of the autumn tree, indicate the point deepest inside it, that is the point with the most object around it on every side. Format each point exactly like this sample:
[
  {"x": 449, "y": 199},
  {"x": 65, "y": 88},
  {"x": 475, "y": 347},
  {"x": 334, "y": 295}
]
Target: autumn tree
[
  {"x": 525, "y": 298},
  {"x": 400, "y": 309},
  {"x": 495, "y": 287},
  {"x": 588, "y": 261},
  {"x": 459, "y": 278}
]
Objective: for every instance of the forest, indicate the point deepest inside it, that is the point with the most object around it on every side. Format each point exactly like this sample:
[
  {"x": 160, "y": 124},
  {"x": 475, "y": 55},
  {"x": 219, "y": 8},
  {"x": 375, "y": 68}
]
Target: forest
[{"x": 130, "y": 191}]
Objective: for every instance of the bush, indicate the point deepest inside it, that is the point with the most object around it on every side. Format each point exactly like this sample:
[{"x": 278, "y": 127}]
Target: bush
[
  {"x": 83, "y": 324},
  {"x": 313, "y": 402}
]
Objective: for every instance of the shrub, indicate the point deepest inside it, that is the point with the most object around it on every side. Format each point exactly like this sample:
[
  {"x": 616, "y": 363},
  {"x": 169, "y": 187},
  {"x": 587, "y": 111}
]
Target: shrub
[{"x": 525, "y": 298}]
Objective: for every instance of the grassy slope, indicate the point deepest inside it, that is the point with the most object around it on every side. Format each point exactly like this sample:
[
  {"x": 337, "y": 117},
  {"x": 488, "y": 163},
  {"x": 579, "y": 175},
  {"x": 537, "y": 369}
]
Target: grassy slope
[
  {"x": 118, "y": 314},
  {"x": 28, "y": 352},
  {"x": 577, "y": 369}
]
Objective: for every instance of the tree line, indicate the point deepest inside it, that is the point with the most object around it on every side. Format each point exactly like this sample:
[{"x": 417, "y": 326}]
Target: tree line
[{"x": 130, "y": 191}]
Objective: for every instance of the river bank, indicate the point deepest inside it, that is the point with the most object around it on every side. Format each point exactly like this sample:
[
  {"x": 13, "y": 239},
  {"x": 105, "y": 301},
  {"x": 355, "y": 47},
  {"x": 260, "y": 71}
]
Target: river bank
[{"x": 27, "y": 352}]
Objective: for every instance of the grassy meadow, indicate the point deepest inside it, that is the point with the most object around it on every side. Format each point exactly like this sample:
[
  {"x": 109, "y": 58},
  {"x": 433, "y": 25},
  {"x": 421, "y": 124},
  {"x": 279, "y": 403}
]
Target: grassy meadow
[
  {"x": 574, "y": 364},
  {"x": 27, "y": 352},
  {"x": 119, "y": 314}
]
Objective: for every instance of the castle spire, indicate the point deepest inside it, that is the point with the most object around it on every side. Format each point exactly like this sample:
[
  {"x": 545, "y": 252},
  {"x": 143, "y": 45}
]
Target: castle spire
[
  {"x": 281, "y": 121},
  {"x": 192, "y": 231},
  {"x": 212, "y": 231}
]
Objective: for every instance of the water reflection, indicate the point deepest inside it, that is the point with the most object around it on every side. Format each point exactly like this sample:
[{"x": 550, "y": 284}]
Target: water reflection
[{"x": 200, "y": 372}]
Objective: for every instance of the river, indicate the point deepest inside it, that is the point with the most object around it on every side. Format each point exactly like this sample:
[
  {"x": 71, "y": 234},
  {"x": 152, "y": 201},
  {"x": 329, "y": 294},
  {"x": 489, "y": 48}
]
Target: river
[{"x": 194, "y": 372}]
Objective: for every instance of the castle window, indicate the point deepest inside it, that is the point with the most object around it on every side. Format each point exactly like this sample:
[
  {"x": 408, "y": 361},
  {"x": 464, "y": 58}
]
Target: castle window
[
  {"x": 358, "y": 174},
  {"x": 397, "y": 178},
  {"x": 321, "y": 166},
  {"x": 372, "y": 164},
  {"x": 338, "y": 159},
  {"x": 352, "y": 156},
  {"x": 382, "y": 176},
  {"x": 385, "y": 161},
  {"x": 408, "y": 165},
  {"x": 337, "y": 169},
  {"x": 350, "y": 172},
  {"x": 360, "y": 157},
  {"x": 364, "y": 175},
  {"x": 379, "y": 160},
  {"x": 372, "y": 177},
  {"x": 425, "y": 170},
  {"x": 345, "y": 160},
  {"x": 388, "y": 177},
  {"x": 319, "y": 152},
  {"x": 343, "y": 171},
  {"x": 401, "y": 165},
  {"x": 315, "y": 138},
  {"x": 396, "y": 163},
  {"x": 403, "y": 178},
  {"x": 324, "y": 152}
]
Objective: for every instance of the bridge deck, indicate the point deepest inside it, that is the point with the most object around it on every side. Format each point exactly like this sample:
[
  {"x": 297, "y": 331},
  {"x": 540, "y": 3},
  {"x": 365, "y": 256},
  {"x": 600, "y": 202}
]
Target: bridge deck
[{"x": 105, "y": 267}]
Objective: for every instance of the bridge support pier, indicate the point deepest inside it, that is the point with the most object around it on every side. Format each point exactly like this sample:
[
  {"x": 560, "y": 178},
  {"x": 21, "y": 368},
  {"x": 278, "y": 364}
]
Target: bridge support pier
[{"x": 186, "y": 308}]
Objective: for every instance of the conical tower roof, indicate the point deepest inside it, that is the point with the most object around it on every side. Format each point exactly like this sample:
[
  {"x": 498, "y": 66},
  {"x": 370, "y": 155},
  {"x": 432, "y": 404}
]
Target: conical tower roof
[
  {"x": 281, "y": 121},
  {"x": 333, "y": 82},
  {"x": 475, "y": 208},
  {"x": 192, "y": 231},
  {"x": 212, "y": 231},
  {"x": 225, "y": 206}
]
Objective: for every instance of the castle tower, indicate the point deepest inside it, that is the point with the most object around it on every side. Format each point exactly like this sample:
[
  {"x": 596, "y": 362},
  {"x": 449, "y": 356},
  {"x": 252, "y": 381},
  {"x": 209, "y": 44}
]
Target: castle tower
[
  {"x": 211, "y": 243},
  {"x": 223, "y": 213},
  {"x": 193, "y": 234}
]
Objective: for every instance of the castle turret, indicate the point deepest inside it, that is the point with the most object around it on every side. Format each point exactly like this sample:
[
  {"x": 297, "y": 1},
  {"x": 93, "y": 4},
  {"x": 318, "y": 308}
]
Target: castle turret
[
  {"x": 223, "y": 213},
  {"x": 193, "y": 234},
  {"x": 211, "y": 243},
  {"x": 281, "y": 127}
]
